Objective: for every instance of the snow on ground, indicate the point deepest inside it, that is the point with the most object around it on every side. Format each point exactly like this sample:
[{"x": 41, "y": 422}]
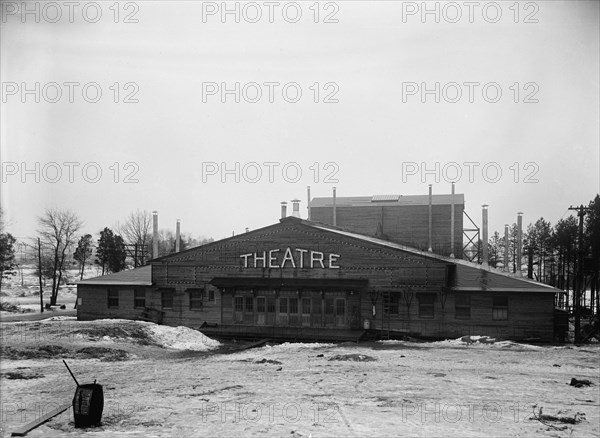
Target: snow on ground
[
  {"x": 300, "y": 390},
  {"x": 181, "y": 338}
]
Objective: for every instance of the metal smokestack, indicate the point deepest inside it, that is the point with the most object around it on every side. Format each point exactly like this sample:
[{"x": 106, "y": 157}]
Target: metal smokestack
[
  {"x": 430, "y": 200},
  {"x": 283, "y": 210},
  {"x": 177, "y": 236},
  {"x": 154, "y": 234},
  {"x": 484, "y": 238},
  {"x": 334, "y": 208},
  {"x": 506, "y": 248},
  {"x": 296, "y": 208},
  {"x": 519, "y": 241},
  {"x": 452, "y": 224},
  {"x": 308, "y": 202}
]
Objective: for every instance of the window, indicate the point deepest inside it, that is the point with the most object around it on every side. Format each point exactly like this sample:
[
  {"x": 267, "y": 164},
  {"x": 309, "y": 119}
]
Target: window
[
  {"x": 211, "y": 295},
  {"x": 500, "y": 308},
  {"x": 139, "y": 298},
  {"x": 426, "y": 305},
  {"x": 239, "y": 304},
  {"x": 260, "y": 304},
  {"x": 113, "y": 298},
  {"x": 283, "y": 305},
  {"x": 329, "y": 306},
  {"x": 195, "y": 299},
  {"x": 340, "y": 307},
  {"x": 249, "y": 304},
  {"x": 293, "y": 305},
  {"x": 166, "y": 296},
  {"x": 306, "y": 306},
  {"x": 462, "y": 309},
  {"x": 391, "y": 303}
]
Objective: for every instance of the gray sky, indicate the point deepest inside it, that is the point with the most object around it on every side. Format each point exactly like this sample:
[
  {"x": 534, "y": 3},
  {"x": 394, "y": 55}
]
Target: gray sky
[{"x": 377, "y": 134}]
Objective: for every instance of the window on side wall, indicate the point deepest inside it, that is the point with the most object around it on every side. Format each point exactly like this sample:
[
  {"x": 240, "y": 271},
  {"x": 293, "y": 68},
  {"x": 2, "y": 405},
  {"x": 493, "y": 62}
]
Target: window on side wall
[
  {"x": 426, "y": 305},
  {"x": 500, "y": 308},
  {"x": 239, "y": 304},
  {"x": 195, "y": 299},
  {"x": 462, "y": 308},
  {"x": 113, "y": 298},
  {"x": 211, "y": 295},
  {"x": 139, "y": 298},
  {"x": 166, "y": 296},
  {"x": 391, "y": 303}
]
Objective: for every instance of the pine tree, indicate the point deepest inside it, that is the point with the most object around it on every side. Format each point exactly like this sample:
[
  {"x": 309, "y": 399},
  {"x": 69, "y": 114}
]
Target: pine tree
[
  {"x": 110, "y": 252},
  {"x": 83, "y": 252}
]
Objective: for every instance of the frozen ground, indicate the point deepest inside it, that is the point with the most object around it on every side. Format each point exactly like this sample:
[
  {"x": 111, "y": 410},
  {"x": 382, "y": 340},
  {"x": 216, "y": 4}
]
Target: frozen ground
[{"x": 449, "y": 388}]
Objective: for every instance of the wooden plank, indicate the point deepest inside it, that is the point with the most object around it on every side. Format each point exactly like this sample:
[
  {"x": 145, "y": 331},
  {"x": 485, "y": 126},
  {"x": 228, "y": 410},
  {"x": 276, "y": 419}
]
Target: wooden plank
[
  {"x": 254, "y": 345},
  {"x": 23, "y": 430}
]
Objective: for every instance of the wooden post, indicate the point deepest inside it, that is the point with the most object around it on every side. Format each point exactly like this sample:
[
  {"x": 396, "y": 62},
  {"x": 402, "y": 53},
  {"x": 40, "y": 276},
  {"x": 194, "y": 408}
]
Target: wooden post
[{"x": 40, "y": 275}]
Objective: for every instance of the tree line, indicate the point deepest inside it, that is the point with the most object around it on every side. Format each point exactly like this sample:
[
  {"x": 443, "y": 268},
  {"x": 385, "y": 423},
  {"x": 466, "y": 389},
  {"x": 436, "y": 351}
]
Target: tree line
[
  {"x": 550, "y": 252},
  {"x": 62, "y": 246}
]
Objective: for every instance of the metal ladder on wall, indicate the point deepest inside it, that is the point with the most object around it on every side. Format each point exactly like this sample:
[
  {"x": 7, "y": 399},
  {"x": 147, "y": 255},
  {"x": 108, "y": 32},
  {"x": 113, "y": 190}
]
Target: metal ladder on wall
[{"x": 386, "y": 317}]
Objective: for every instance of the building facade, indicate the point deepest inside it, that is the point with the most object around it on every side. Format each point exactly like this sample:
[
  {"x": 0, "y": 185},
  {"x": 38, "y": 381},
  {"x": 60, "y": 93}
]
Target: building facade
[{"x": 298, "y": 279}]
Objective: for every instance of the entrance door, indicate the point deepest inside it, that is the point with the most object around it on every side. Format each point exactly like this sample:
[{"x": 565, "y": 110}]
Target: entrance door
[
  {"x": 306, "y": 312},
  {"x": 261, "y": 311},
  {"x": 294, "y": 319},
  {"x": 340, "y": 312},
  {"x": 329, "y": 312},
  {"x": 238, "y": 310},
  {"x": 271, "y": 310}
]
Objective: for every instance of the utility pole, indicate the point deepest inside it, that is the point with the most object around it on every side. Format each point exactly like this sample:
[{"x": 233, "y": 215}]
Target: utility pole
[
  {"x": 40, "y": 275},
  {"x": 581, "y": 210}
]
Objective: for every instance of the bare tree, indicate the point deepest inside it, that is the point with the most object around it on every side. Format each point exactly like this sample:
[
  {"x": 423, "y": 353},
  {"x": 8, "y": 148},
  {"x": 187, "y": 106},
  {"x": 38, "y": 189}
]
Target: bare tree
[
  {"x": 58, "y": 230},
  {"x": 136, "y": 233}
]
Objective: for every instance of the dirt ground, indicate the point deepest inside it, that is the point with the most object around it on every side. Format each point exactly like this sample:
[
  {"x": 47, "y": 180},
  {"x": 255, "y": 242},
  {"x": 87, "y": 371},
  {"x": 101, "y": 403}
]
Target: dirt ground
[{"x": 392, "y": 388}]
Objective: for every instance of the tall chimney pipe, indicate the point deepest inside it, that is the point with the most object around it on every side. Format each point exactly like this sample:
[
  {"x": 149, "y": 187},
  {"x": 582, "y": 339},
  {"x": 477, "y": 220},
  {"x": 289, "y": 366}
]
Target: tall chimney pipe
[
  {"x": 334, "y": 208},
  {"x": 506, "y": 248},
  {"x": 519, "y": 241},
  {"x": 296, "y": 208},
  {"x": 308, "y": 202},
  {"x": 484, "y": 238},
  {"x": 177, "y": 236},
  {"x": 452, "y": 224},
  {"x": 154, "y": 234},
  {"x": 283, "y": 210},
  {"x": 430, "y": 200}
]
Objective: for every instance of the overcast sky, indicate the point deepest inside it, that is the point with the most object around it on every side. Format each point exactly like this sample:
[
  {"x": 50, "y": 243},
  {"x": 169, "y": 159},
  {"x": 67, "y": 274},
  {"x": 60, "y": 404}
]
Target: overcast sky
[{"x": 372, "y": 124}]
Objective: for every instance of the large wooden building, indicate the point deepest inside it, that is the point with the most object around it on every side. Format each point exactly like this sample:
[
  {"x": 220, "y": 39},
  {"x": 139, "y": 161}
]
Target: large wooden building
[{"x": 300, "y": 279}]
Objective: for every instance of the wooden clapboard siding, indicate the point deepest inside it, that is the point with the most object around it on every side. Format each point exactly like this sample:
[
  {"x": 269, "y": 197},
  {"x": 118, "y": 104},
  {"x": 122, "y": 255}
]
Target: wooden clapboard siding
[
  {"x": 529, "y": 316},
  {"x": 94, "y": 302}
]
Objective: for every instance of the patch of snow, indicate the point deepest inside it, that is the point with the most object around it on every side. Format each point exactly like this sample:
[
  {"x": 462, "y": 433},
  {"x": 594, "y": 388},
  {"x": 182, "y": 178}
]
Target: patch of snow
[
  {"x": 182, "y": 338},
  {"x": 60, "y": 318}
]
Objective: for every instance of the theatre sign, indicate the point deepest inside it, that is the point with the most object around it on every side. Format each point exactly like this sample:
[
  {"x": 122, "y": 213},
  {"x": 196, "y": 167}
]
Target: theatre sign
[{"x": 291, "y": 258}]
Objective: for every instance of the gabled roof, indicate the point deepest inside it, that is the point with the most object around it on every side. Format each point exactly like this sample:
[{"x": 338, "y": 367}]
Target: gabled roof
[
  {"x": 386, "y": 200},
  {"x": 480, "y": 274},
  {"x": 132, "y": 277},
  {"x": 470, "y": 276}
]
